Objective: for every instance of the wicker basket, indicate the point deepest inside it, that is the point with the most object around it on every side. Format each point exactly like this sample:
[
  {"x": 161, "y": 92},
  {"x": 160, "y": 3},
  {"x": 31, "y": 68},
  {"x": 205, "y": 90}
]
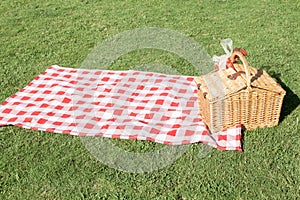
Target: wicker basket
[{"x": 243, "y": 95}]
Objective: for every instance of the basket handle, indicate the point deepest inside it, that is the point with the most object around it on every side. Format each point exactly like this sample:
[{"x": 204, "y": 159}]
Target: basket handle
[{"x": 245, "y": 63}]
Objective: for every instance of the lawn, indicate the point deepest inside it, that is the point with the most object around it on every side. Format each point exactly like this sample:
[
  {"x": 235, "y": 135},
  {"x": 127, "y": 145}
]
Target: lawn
[{"x": 40, "y": 165}]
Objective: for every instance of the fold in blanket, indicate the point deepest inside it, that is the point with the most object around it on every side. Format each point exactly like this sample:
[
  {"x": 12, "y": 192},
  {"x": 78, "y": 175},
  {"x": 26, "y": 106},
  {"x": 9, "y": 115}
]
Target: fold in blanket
[{"x": 115, "y": 104}]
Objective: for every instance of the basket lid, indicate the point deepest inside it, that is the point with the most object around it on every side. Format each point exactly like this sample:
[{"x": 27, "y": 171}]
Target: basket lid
[
  {"x": 227, "y": 82},
  {"x": 216, "y": 85},
  {"x": 260, "y": 79}
]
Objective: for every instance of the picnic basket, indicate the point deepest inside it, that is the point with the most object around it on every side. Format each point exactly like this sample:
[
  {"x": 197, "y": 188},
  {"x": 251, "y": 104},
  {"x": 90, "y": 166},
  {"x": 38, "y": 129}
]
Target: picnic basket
[{"x": 239, "y": 95}]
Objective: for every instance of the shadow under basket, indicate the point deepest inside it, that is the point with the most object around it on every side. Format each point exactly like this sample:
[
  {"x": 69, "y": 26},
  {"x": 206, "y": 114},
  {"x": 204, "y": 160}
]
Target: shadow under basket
[{"x": 243, "y": 95}]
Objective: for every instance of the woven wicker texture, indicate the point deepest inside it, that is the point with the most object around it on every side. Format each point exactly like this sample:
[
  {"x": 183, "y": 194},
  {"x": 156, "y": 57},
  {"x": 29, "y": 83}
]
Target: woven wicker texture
[{"x": 243, "y": 95}]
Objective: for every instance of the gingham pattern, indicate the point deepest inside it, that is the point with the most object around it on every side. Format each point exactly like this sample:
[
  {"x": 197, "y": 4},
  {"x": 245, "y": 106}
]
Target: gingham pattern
[{"x": 115, "y": 104}]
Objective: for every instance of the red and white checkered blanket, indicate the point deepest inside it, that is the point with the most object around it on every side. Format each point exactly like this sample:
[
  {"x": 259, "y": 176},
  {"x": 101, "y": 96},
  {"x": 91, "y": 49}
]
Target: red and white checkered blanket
[{"x": 115, "y": 104}]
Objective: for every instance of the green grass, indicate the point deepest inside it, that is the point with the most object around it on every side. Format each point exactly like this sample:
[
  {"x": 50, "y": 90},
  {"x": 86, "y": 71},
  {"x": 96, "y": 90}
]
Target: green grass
[{"x": 40, "y": 165}]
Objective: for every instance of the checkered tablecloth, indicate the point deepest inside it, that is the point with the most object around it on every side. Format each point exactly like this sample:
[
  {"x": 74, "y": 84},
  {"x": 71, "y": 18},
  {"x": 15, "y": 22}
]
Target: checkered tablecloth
[{"x": 115, "y": 104}]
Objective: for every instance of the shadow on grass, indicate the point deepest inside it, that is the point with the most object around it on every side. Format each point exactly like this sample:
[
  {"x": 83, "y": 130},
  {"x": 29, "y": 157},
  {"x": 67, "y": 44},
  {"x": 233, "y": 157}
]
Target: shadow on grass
[{"x": 290, "y": 102}]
